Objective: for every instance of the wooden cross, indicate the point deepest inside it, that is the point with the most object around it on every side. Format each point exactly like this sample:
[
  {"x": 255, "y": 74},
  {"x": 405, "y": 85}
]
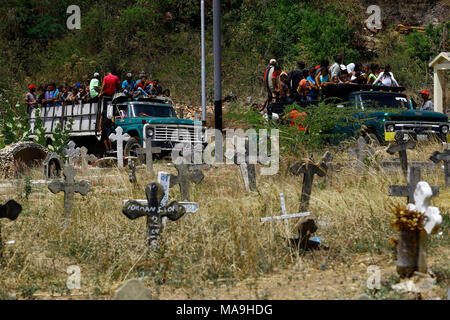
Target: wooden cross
[
  {"x": 120, "y": 137},
  {"x": 414, "y": 176},
  {"x": 71, "y": 153},
  {"x": 69, "y": 187},
  {"x": 148, "y": 151},
  {"x": 52, "y": 166},
  {"x": 154, "y": 211},
  {"x": 285, "y": 215},
  {"x": 248, "y": 170},
  {"x": 132, "y": 174},
  {"x": 309, "y": 169},
  {"x": 10, "y": 210},
  {"x": 437, "y": 156},
  {"x": 360, "y": 152},
  {"x": 400, "y": 146},
  {"x": 185, "y": 176}
]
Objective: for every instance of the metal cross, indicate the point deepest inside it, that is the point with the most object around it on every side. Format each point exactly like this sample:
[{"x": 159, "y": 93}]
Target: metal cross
[
  {"x": 436, "y": 157},
  {"x": 185, "y": 176},
  {"x": 148, "y": 152},
  {"x": 69, "y": 187},
  {"x": 414, "y": 177},
  {"x": 120, "y": 137},
  {"x": 154, "y": 211},
  {"x": 400, "y": 146},
  {"x": 309, "y": 169},
  {"x": 10, "y": 210}
]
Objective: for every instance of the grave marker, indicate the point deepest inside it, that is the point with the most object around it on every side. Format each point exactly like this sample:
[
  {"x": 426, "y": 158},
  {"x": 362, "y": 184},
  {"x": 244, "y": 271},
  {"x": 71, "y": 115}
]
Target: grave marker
[
  {"x": 85, "y": 158},
  {"x": 10, "y": 210},
  {"x": 154, "y": 211},
  {"x": 132, "y": 174},
  {"x": 184, "y": 178},
  {"x": 308, "y": 169},
  {"x": 414, "y": 176},
  {"x": 71, "y": 153},
  {"x": 436, "y": 157},
  {"x": 361, "y": 152},
  {"x": 248, "y": 170},
  {"x": 401, "y": 145},
  {"x": 52, "y": 166},
  {"x": 69, "y": 187},
  {"x": 148, "y": 151},
  {"x": 119, "y": 137}
]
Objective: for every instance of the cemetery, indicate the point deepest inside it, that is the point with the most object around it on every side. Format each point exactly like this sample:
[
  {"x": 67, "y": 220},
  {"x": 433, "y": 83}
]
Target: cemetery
[{"x": 309, "y": 232}]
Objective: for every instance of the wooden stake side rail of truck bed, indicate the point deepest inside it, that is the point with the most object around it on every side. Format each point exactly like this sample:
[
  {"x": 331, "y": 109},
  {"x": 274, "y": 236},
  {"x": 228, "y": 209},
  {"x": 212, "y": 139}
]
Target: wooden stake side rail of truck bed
[{"x": 85, "y": 118}]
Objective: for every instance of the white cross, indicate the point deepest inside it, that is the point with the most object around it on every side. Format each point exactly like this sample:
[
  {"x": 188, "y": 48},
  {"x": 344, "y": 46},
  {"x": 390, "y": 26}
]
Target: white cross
[
  {"x": 71, "y": 152},
  {"x": 285, "y": 215},
  {"x": 120, "y": 138}
]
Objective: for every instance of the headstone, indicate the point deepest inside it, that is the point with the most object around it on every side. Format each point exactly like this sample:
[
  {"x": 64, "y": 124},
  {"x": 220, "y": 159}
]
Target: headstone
[
  {"x": 132, "y": 174},
  {"x": 85, "y": 158},
  {"x": 133, "y": 290},
  {"x": 148, "y": 151},
  {"x": 184, "y": 178},
  {"x": 119, "y": 137},
  {"x": 308, "y": 169},
  {"x": 437, "y": 156},
  {"x": 69, "y": 187},
  {"x": 414, "y": 176},
  {"x": 71, "y": 153},
  {"x": 402, "y": 144},
  {"x": 52, "y": 166},
  {"x": 361, "y": 152},
  {"x": 10, "y": 210},
  {"x": 285, "y": 216},
  {"x": 411, "y": 249},
  {"x": 154, "y": 211}
]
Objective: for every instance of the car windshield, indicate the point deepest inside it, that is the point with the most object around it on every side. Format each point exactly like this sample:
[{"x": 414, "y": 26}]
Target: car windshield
[
  {"x": 380, "y": 101},
  {"x": 148, "y": 110}
]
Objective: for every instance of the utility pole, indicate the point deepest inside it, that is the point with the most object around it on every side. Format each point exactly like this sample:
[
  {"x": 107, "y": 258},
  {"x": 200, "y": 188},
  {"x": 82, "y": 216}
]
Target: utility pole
[
  {"x": 217, "y": 66},
  {"x": 203, "y": 63}
]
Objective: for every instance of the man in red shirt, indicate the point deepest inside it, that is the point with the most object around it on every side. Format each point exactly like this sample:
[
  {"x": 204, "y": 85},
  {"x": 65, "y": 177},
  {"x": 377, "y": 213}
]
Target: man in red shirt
[{"x": 110, "y": 84}]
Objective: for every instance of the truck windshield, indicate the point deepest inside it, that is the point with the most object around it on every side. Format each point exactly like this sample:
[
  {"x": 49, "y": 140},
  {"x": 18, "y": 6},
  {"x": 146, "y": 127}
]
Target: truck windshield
[
  {"x": 379, "y": 101},
  {"x": 148, "y": 110}
]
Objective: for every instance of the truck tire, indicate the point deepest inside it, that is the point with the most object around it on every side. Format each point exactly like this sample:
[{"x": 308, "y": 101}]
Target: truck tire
[{"x": 131, "y": 147}]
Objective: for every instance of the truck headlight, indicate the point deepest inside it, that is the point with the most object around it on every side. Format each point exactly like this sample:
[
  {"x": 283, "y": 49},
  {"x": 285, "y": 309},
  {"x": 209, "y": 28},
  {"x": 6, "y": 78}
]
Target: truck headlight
[
  {"x": 150, "y": 133},
  {"x": 390, "y": 128},
  {"x": 444, "y": 129}
]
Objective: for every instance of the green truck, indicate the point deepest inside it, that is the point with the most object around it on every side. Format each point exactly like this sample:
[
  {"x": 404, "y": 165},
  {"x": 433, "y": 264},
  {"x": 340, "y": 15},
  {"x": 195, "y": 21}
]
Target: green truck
[
  {"x": 143, "y": 118},
  {"x": 378, "y": 125}
]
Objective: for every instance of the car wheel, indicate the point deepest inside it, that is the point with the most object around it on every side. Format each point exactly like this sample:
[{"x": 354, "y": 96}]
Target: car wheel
[{"x": 131, "y": 149}]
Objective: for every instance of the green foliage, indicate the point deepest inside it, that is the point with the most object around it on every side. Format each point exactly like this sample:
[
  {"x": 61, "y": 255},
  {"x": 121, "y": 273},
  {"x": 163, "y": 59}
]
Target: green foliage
[
  {"x": 423, "y": 46},
  {"x": 27, "y": 188},
  {"x": 60, "y": 138},
  {"x": 14, "y": 127},
  {"x": 39, "y": 130}
]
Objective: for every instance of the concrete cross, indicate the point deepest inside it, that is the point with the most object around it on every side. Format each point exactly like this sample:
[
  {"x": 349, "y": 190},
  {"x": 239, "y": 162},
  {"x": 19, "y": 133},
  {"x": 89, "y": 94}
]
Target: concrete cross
[
  {"x": 414, "y": 176},
  {"x": 153, "y": 211},
  {"x": 69, "y": 187},
  {"x": 410, "y": 256},
  {"x": 360, "y": 152},
  {"x": 248, "y": 170},
  {"x": 400, "y": 146},
  {"x": 10, "y": 210},
  {"x": 185, "y": 176},
  {"x": 309, "y": 169},
  {"x": 52, "y": 166},
  {"x": 148, "y": 151},
  {"x": 83, "y": 156},
  {"x": 285, "y": 215},
  {"x": 132, "y": 174},
  {"x": 119, "y": 137},
  {"x": 71, "y": 153},
  {"x": 437, "y": 156}
]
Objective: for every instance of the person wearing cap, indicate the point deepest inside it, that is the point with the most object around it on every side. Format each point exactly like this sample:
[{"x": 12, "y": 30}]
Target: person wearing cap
[
  {"x": 270, "y": 80},
  {"x": 128, "y": 84},
  {"x": 30, "y": 99},
  {"x": 94, "y": 88},
  {"x": 427, "y": 104}
]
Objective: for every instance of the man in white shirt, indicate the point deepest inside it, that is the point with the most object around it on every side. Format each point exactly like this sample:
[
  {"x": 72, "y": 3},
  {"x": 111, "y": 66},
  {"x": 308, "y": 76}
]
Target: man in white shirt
[{"x": 427, "y": 104}]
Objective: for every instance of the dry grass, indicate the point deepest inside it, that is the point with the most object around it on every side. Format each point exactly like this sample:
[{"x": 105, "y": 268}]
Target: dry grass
[{"x": 223, "y": 243}]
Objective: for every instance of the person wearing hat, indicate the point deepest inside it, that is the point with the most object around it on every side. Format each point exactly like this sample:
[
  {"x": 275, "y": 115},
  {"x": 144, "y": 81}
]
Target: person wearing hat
[
  {"x": 128, "y": 84},
  {"x": 30, "y": 99},
  {"x": 427, "y": 104},
  {"x": 94, "y": 88}
]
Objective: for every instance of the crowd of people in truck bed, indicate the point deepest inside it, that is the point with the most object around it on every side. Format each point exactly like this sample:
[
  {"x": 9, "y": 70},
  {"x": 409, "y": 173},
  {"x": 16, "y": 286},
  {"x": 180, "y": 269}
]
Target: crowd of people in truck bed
[
  {"x": 53, "y": 95},
  {"x": 306, "y": 83}
]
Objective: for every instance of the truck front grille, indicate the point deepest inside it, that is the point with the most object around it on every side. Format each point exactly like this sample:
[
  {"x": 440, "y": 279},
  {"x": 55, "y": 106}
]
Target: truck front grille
[{"x": 178, "y": 133}]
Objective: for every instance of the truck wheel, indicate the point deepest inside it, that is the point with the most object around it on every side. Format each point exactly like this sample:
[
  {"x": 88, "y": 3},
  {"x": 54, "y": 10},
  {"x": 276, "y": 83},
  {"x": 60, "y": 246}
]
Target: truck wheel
[{"x": 131, "y": 148}]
